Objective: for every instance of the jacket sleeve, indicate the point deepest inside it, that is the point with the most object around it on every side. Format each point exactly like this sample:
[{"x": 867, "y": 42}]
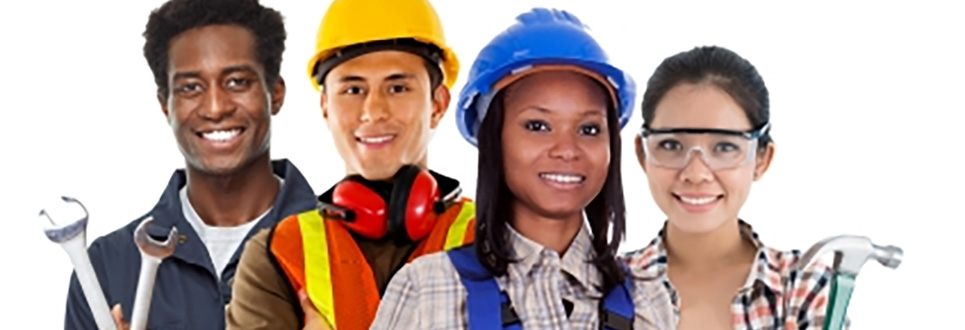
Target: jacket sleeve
[
  {"x": 261, "y": 297},
  {"x": 79, "y": 315}
]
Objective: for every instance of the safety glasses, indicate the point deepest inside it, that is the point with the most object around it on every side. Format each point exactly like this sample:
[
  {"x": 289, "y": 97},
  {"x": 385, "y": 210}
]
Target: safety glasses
[{"x": 720, "y": 149}]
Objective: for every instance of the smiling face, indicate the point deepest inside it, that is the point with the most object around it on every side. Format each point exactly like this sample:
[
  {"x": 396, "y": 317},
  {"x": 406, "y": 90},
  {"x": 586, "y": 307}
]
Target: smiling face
[
  {"x": 695, "y": 198},
  {"x": 218, "y": 105},
  {"x": 381, "y": 111},
  {"x": 556, "y": 144}
]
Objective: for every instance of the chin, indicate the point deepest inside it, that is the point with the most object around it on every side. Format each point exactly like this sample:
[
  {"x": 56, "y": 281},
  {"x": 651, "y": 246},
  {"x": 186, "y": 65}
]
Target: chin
[
  {"x": 697, "y": 224},
  {"x": 380, "y": 173},
  {"x": 559, "y": 209},
  {"x": 219, "y": 166}
]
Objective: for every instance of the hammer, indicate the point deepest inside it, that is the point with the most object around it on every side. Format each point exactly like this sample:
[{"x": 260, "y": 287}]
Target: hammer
[
  {"x": 152, "y": 253},
  {"x": 850, "y": 253},
  {"x": 73, "y": 238}
]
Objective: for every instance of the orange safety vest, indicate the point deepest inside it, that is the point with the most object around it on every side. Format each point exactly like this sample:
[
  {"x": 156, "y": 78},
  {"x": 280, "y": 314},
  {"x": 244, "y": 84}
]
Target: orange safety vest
[{"x": 338, "y": 279}]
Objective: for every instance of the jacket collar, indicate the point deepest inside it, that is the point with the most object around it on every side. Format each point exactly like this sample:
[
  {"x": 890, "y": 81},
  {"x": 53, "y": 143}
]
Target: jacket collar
[{"x": 295, "y": 196}]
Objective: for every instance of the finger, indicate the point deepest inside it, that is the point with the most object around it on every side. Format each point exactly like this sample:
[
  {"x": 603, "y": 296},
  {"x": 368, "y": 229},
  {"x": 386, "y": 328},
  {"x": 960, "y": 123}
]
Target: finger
[
  {"x": 306, "y": 302},
  {"x": 117, "y": 313},
  {"x": 313, "y": 319}
]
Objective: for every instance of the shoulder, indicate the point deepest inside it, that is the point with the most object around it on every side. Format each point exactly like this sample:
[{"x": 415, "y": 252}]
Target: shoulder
[
  {"x": 289, "y": 225},
  {"x": 645, "y": 261},
  {"x": 805, "y": 291},
  {"x": 118, "y": 243},
  {"x": 428, "y": 274},
  {"x": 816, "y": 273},
  {"x": 258, "y": 243},
  {"x": 256, "y": 262},
  {"x": 433, "y": 265}
]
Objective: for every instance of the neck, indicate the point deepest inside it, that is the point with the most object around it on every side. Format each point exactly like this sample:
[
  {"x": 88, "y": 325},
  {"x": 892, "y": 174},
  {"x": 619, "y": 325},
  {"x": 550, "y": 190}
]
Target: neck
[
  {"x": 721, "y": 247},
  {"x": 233, "y": 199},
  {"x": 552, "y": 232}
]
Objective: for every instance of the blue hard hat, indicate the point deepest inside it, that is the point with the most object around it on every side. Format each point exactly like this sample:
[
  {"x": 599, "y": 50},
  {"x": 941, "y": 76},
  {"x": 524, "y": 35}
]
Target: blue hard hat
[{"x": 539, "y": 37}]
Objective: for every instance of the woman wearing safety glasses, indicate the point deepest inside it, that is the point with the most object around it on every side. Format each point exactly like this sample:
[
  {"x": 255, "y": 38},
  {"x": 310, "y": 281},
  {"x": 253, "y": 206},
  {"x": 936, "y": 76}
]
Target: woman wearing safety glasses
[{"x": 704, "y": 141}]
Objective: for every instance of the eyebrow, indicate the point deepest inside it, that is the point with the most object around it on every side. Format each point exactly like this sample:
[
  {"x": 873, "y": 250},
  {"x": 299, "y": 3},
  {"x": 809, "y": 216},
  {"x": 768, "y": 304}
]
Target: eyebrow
[
  {"x": 186, "y": 75},
  {"x": 587, "y": 113},
  {"x": 225, "y": 71},
  {"x": 391, "y": 77},
  {"x": 594, "y": 112},
  {"x": 400, "y": 76},
  {"x": 237, "y": 68}
]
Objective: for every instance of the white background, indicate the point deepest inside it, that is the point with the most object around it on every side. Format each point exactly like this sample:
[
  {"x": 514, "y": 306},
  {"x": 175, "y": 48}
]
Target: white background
[{"x": 865, "y": 99}]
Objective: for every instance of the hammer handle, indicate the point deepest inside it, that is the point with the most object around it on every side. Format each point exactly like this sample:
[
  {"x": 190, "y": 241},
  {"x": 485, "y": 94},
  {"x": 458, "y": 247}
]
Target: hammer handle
[{"x": 842, "y": 285}]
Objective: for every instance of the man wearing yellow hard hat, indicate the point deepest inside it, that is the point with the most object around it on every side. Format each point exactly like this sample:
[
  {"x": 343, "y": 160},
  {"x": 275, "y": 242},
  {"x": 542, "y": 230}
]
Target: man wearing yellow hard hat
[{"x": 384, "y": 73}]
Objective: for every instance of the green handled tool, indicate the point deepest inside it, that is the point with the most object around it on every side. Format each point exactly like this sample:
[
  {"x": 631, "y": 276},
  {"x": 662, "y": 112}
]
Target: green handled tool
[{"x": 850, "y": 253}]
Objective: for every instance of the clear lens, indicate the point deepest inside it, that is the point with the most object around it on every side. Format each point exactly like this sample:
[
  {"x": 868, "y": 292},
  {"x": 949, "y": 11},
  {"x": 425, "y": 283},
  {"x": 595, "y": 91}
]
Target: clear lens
[{"x": 719, "y": 151}]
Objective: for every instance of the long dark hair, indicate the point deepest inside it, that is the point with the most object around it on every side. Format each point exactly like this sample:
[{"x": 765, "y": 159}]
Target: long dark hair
[
  {"x": 718, "y": 66},
  {"x": 494, "y": 201}
]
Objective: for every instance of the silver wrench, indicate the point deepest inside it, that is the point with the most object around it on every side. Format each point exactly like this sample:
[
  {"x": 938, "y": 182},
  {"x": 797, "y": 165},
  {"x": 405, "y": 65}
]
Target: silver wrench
[
  {"x": 152, "y": 253},
  {"x": 73, "y": 238},
  {"x": 850, "y": 253}
]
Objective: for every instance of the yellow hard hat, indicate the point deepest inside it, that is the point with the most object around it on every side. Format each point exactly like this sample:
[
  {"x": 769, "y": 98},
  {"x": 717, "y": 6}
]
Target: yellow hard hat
[{"x": 352, "y": 22}]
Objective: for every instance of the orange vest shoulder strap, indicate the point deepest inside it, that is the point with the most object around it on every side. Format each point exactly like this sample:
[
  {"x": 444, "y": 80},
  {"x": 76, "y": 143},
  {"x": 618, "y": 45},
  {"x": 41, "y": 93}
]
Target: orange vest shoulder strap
[{"x": 454, "y": 228}]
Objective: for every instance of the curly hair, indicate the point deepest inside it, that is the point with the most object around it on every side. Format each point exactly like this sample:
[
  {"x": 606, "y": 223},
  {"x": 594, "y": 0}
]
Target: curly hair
[{"x": 177, "y": 16}]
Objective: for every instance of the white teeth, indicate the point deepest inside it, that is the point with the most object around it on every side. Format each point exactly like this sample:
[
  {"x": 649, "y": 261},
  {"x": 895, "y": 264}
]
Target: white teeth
[
  {"x": 222, "y": 135},
  {"x": 377, "y": 139},
  {"x": 562, "y": 178},
  {"x": 698, "y": 201}
]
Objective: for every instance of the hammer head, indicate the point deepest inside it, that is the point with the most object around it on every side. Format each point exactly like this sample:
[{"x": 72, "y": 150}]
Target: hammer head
[
  {"x": 149, "y": 246},
  {"x": 62, "y": 232},
  {"x": 850, "y": 253}
]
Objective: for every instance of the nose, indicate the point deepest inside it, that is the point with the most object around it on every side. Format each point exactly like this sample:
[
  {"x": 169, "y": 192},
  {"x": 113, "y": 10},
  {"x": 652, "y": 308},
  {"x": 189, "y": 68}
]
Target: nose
[
  {"x": 374, "y": 108},
  {"x": 565, "y": 147},
  {"x": 696, "y": 170},
  {"x": 217, "y": 105}
]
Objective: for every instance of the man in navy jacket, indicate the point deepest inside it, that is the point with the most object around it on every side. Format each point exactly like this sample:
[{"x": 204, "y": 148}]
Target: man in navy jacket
[{"x": 216, "y": 65}]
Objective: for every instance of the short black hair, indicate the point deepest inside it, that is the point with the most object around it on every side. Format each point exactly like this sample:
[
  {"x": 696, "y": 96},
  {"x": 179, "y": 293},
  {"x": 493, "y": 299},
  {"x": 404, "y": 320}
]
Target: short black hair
[
  {"x": 494, "y": 201},
  {"x": 718, "y": 66},
  {"x": 432, "y": 57},
  {"x": 177, "y": 16}
]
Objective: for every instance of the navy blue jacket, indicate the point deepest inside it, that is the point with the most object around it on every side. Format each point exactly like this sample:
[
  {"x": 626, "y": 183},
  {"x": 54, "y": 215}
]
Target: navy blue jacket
[{"x": 187, "y": 294}]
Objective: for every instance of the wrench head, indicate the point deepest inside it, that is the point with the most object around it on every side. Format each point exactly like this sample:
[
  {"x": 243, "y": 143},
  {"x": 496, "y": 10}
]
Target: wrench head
[
  {"x": 850, "y": 253},
  {"x": 149, "y": 246},
  {"x": 60, "y": 232}
]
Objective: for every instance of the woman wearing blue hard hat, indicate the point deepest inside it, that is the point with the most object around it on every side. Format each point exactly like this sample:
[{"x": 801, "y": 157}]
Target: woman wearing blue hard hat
[{"x": 545, "y": 108}]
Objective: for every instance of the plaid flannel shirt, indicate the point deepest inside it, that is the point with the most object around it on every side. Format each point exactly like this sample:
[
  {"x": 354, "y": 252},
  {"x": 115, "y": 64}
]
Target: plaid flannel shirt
[
  {"x": 427, "y": 293},
  {"x": 773, "y": 297}
]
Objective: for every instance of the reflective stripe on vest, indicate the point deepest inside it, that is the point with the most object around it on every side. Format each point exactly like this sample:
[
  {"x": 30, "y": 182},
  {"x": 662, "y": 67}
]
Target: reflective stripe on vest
[
  {"x": 322, "y": 257},
  {"x": 317, "y": 270},
  {"x": 456, "y": 236}
]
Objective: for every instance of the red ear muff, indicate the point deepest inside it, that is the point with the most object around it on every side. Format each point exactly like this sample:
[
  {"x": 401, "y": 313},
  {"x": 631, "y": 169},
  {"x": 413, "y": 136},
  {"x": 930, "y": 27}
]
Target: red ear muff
[
  {"x": 412, "y": 206},
  {"x": 366, "y": 205}
]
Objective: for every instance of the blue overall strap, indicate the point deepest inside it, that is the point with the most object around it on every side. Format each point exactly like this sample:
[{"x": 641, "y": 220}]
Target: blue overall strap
[
  {"x": 484, "y": 299},
  {"x": 617, "y": 312}
]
